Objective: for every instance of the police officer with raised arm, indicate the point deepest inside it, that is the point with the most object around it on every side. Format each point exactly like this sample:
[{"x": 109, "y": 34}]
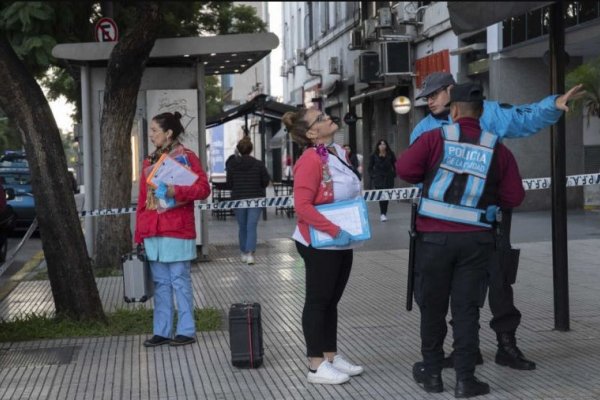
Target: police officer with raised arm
[{"x": 504, "y": 120}]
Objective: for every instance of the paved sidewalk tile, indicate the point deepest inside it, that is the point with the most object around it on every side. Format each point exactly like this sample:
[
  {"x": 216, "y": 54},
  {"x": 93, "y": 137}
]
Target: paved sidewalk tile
[{"x": 374, "y": 331}]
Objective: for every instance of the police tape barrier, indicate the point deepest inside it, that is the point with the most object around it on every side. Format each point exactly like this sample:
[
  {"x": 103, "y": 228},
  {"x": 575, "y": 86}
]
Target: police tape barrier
[{"x": 369, "y": 195}]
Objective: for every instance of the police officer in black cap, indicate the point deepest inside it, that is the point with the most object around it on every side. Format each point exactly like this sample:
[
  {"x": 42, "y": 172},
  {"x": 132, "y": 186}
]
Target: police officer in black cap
[{"x": 466, "y": 175}]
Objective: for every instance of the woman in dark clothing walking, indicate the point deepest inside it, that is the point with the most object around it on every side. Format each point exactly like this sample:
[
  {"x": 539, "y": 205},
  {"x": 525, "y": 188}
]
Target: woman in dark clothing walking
[
  {"x": 382, "y": 172},
  {"x": 248, "y": 178}
]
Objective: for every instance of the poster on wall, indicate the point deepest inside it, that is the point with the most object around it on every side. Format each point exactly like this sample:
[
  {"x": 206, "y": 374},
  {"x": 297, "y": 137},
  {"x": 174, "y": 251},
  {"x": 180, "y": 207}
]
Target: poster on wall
[
  {"x": 185, "y": 102},
  {"x": 217, "y": 152}
]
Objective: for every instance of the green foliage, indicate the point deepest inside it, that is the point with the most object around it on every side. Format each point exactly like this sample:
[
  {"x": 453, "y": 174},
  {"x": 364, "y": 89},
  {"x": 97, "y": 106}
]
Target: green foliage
[
  {"x": 10, "y": 139},
  {"x": 587, "y": 74},
  {"x": 121, "y": 322}
]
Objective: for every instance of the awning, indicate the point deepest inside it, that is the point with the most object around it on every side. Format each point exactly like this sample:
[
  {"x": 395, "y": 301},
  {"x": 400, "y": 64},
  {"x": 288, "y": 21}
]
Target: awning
[
  {"x": 472, "y": 16},
  {"x": 377, "y": 93},
  {"x": 260, "y": 105},
  {"x": 278, "y": 140}
]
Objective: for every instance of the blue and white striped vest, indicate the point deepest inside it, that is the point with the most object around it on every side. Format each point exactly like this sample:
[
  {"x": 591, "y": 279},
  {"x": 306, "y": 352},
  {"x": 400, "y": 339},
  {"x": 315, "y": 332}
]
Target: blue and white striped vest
[{"x": 457, "y": 190}]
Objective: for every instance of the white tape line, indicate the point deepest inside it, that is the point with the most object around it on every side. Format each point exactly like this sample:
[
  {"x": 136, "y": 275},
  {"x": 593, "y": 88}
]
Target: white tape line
[{"x": 369, "y": 195}]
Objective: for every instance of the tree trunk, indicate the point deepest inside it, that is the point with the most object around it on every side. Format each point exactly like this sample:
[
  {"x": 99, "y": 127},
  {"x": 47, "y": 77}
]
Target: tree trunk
[
  {"x": 123, "y": 78},
  {"x": 69, "y": 267}
]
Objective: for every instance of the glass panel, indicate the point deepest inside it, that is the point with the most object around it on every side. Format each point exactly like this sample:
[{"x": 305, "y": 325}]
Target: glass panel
[
  {"x": 519, "y": 32},
  {"x": 534, "y": 24},
  {"x": 570, "y": 14},
  {"x": 588, "y": 10},
  {"x": 506, "y": 33}
]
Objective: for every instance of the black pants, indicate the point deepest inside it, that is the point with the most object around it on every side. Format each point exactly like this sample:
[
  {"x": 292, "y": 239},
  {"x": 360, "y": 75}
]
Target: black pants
[
  {"x": 383, "y": 206},
  {"x": 327, "y": 272},
  {"x": 451, "y": 268},
  {"x": 505, "y": 316}
]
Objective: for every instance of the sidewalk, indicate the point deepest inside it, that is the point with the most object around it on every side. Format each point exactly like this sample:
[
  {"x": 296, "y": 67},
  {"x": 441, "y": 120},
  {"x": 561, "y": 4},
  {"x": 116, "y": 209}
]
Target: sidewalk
[{"x": 374, "y": 331}]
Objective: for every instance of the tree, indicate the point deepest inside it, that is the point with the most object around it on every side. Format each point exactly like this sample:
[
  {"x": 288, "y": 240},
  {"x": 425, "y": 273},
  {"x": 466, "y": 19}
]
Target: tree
[
  {"x": 587, "y": 74},
  {"x": 69, "y": 269},
  {"x": 123, "y": 78}
]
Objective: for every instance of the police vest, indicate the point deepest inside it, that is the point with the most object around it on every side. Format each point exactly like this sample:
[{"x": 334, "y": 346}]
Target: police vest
[{"x": 456, "y": 191}]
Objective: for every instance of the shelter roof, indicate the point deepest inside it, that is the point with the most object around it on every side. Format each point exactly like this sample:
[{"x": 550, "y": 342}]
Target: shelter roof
[
  {"x": 260, "y": 105},
  {"x": 222, "y": 54}
]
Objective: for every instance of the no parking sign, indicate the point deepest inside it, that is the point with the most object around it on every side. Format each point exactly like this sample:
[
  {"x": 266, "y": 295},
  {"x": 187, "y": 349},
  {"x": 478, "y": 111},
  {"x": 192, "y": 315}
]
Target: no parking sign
[{"x": 106, "y": 30}]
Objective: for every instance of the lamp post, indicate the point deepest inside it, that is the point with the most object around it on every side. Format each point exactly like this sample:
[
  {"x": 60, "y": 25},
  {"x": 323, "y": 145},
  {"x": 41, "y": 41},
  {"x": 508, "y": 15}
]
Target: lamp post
[{"x": 401, "y": 105}]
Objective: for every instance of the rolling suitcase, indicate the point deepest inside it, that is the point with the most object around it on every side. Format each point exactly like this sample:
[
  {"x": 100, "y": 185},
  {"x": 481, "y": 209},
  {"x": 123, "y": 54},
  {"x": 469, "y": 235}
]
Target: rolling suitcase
[
  {"x": 137, "y": 279},
  {"x": 245, "y": 335}
]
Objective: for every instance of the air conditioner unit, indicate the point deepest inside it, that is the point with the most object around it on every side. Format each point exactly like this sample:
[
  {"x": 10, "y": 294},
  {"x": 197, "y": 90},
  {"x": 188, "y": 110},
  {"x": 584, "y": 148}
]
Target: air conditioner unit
[
  {"x": 335, "y": 68},
  {"x": 368, "y": 67},
  {"x": 289, "y": 64},
  {"x": 300, "y": 56},
  {"x": 395, "y": 58},
  {"x": 369, "y": 29},
  {"x": 403, "y": 13},
  {"x": 357, "y": 39},
  {"x": 384, "y": 17}
]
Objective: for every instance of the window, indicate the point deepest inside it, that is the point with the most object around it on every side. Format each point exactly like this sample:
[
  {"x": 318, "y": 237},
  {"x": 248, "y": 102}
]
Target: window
[
  {"x": 308, "y": 27},
  {"x": 535, "y": 23},
  {"x": 324, "y": 8}
]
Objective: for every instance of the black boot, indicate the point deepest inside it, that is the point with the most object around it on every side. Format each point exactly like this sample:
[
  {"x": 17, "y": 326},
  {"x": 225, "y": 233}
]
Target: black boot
[
  {"x": 470, "y": 388},
  {"x": 432, "y": 383},
  {"x": 449, "y": 362},
  {"x": 509, "y": 354}
]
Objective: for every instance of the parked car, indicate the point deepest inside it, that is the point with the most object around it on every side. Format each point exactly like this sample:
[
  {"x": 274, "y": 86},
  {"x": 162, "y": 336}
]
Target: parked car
[
  {"x": 14, "y": 169},
  {"x": 7, "y": 219}
]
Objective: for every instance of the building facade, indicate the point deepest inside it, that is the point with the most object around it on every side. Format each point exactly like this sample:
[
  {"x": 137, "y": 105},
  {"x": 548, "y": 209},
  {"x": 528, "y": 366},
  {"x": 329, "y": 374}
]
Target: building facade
[{"x": 353, "y": 58}]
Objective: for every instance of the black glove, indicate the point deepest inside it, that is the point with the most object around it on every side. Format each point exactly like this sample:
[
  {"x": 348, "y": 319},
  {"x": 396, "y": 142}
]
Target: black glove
[{"x": 140, "y": 252}]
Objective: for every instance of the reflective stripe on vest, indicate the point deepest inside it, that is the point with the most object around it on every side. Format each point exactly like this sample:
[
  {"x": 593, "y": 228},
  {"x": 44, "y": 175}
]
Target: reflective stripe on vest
[{"x": 458, "y": 157}]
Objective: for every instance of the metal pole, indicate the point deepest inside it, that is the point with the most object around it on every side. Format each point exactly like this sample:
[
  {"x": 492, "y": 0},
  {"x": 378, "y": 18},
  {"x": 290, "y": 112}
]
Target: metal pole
[
  {"x": 88, "y": 173},
  {"x": 202, "y": 153},
  {"x": 560, "y": 265}
]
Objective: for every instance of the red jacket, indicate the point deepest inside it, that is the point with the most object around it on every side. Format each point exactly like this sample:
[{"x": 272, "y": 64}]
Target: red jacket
[
  {"x": 309, "y": 192},
  {"x": 424, "y": 155},
  {"x": 177, "y": 222}
]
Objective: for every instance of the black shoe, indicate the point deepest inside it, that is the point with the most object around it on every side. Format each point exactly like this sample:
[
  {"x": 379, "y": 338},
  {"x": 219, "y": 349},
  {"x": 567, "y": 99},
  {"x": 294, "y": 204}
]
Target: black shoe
[
  {"x": 449, "y": 362},
  {"x": 156, "y": 341},
  {"x": 470, "y": 388},
  {"x": 509, "y": 354},
  {"x": 431, "y": 383},
  {"x": 181, "y": 340}
]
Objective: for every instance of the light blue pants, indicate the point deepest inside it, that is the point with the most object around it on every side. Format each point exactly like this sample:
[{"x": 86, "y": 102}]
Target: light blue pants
[
  {"x": 169, "y": 278},
  {"x": 247, "y": 219}
]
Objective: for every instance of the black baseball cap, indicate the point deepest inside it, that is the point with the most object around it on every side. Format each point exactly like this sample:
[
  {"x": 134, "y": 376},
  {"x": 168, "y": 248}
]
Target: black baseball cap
[
  {"x": 436, "y": 81},
  {"x": 466, "y": 92}
]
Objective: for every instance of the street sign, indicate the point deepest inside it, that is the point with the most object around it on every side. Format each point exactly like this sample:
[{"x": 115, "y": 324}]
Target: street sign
[{"x": 106, "y": 30}]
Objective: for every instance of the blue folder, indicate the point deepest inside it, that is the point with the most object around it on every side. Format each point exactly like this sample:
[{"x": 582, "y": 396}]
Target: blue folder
[{"x": 359, "y": 227}]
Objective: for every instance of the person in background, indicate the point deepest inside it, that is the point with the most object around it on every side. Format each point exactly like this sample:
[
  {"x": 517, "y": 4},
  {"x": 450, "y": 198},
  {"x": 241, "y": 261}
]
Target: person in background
[
  {"x": 509, "y": 121},
  {"x": 167, "y": 234},
  {"x": 351, "y": 156},
  {"x": 466, "y": 175},
  {"x": 247, "y": 177},
  {"x": 382, "y": 172},
  {"x": 322, "y": 175}
]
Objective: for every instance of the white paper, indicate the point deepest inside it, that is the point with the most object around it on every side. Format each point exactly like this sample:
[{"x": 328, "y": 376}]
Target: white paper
[
  {"x": 348, "y": 218},
  {"x": 171, "y": 172}
]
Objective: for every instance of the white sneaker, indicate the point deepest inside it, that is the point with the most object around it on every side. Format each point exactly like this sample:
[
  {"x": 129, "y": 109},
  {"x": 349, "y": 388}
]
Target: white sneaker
[
  {"x": 244, "y": 257},
  {"x": 344, "y": 366},
  {"x": 250, "y": 259},
  {"x": 327, "y": 375},
  {"x": 383, "y": 218}
]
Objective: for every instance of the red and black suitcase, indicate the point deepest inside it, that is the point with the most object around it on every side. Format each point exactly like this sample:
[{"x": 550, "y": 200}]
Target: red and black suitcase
[{"x": 245, "y": 335}]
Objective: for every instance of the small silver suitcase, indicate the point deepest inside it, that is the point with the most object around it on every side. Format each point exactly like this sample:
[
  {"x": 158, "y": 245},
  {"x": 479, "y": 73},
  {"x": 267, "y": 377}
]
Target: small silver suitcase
[{"x": 137, "y": 279}]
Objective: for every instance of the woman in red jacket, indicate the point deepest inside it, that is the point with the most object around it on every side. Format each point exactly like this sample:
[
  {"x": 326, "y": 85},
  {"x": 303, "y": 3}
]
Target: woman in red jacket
[
  {"x": 166, "y": 228},
  {"x": 322, "y": 174}
]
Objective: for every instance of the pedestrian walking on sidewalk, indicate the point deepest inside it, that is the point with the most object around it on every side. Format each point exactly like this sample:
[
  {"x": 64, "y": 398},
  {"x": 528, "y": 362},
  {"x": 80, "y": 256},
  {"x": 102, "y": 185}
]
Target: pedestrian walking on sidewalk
[
  {"x": 466, "y": 175},
  {"x": 248, "y": 178},
  {"x": 322, "y": 174},
  {"x": 504, "y": 120},
  {"x": 382, "y": 172},
  {"x": 166, "y": 231}
]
